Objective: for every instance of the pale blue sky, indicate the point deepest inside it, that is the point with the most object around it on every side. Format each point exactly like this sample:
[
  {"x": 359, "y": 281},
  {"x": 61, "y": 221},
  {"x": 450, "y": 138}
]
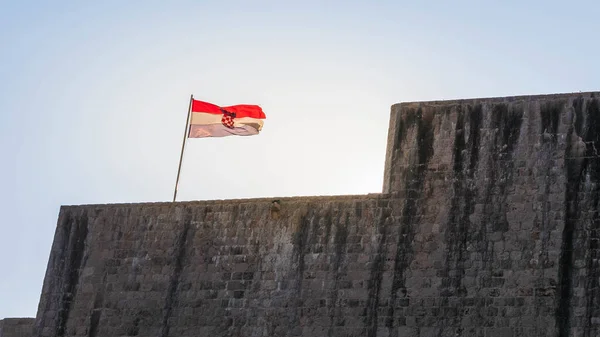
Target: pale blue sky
[{"x": 94, "y": 94}]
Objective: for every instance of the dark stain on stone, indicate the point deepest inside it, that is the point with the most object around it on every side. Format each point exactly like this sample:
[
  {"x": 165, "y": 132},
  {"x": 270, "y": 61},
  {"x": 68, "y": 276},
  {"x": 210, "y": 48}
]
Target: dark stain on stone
[
  {"x": 340, "y": 240},
  {"x": 97, "y": 309},
  {"x": 132, "y": 285},
  {"x": 94, "y": 322},
  {"x": 414, "y": 183},
  {"x": 328, "y": 223},
  {"x": 592, "y": 151},
  {"x": 454, "y": 225},
  {"x": 505, "y": 125},
  {"x": 235, "y": 212},
  {"x": 550, "y": 116},
  {"x": 573, "y": 173},
  {"x": 313, "y": 235},
  {"x": 587, "y": 126},
  {"x": 207, "y": 211},
  {"x": 462, "y": 204},
  {"x": 591, "y": 169},
  {"x": 134, "y": 329},
  {"x": 358, "y": 209},
  {"x": 475, "y": 118},
  {"x": 376, "y": 274},
  {"x": 178, "y": 257},
  {"x": 425, "y": 138},
  {"x": 507, "y": 121},
  {"x": 406, "y": 119},
  {"x": 459, "y": 143},
  {"x": 75, "y": 237},
  {"x": 578, "y": 106},
  {"x": 300, "y": 241}
]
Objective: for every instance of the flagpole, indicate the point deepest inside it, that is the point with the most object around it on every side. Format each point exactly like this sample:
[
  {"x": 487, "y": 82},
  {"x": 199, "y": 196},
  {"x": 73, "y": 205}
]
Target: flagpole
[{"x": 185, "y": 136}]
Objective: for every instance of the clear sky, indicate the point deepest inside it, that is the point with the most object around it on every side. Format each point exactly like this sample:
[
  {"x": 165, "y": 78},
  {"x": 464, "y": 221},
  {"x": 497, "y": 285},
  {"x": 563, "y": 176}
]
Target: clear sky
[{"x": 94, "y": 95}]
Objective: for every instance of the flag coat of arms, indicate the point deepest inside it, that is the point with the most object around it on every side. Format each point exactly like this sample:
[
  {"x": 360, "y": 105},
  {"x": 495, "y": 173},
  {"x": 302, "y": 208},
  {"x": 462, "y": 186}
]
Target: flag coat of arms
[{"x": 210, "y": 120}]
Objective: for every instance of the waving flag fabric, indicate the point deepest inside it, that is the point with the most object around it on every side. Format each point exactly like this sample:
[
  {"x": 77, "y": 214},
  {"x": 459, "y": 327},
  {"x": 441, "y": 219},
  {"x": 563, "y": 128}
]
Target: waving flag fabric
[{"x": 210, "y": 120}]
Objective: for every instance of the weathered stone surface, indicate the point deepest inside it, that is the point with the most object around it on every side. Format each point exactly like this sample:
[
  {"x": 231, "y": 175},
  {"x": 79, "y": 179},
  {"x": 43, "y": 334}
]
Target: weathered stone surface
[
  {"x": 507, "y": 189},
  {"x": 488, "y": 226},
  {"x": 16, "y": 327}
]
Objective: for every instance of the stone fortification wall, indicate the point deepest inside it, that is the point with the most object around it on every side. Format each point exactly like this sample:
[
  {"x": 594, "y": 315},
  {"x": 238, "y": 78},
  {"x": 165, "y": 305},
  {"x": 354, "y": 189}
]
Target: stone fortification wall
[
  {"x": 508, "y": 191},
  {"x": 226, "y": 268},
  {"x": 488, "y": 226},
  {"x": 16, "y": 327}
]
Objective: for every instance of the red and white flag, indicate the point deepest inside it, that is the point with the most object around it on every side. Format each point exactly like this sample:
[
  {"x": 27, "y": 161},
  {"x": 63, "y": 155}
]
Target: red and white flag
[{"x": 209, "y": 120}]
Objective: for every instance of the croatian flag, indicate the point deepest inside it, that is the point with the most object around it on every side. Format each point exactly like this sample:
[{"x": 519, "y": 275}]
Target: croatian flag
[{"x": 209, "y": 120}]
